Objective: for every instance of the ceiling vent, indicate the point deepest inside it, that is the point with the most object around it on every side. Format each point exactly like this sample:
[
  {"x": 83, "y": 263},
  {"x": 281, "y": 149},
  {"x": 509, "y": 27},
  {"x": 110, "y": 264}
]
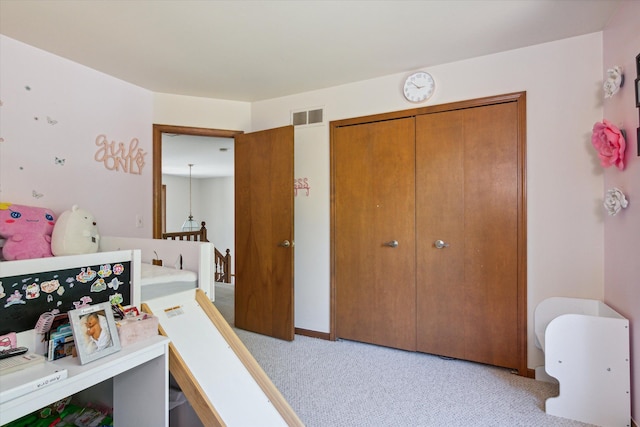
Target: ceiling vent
[{"x": 313, "y": 116}]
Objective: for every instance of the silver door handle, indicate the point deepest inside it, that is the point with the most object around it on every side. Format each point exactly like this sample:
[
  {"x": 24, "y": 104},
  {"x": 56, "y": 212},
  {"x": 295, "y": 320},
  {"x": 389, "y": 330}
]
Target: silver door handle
[
  {"x": 391, "y": 244},
  {"x": 284, "y": 244},
  {"x": 439, "y": 244}
]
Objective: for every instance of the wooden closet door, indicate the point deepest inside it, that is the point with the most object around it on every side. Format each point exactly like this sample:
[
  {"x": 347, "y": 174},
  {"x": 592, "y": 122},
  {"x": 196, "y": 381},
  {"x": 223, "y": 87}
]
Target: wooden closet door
[
  {"x": 374, "y": 205},
  {"x": 467, "y": 196}
]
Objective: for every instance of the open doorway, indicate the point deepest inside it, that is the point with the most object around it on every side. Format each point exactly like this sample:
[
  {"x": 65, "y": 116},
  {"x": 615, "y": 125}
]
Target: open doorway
[
  {"x": 206, "y": 189},
  {"x": 264, "y": 171},
  {"x": 169, "y": 131}
]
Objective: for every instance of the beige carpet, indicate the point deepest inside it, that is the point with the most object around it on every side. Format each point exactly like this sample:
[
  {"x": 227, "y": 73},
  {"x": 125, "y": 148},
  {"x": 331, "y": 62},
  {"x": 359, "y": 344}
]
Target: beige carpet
[{"x": 345, "y": 383}]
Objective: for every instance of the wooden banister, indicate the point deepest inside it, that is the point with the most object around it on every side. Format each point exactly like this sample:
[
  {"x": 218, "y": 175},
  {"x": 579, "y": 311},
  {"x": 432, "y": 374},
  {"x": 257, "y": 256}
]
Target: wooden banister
[
  {"x": 223, "y": 266},
  {"x": 195, "y": 236}
]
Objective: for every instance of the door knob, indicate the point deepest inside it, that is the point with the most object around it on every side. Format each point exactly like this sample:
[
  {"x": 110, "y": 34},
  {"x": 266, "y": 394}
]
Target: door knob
[
  {"x": 284, "y": 244},
  {"x": 439, "y": 244},
  {"x": 391, "y": 244}
]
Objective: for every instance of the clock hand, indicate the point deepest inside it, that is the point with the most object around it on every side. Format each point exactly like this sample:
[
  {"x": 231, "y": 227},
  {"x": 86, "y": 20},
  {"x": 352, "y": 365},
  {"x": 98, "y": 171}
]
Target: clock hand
[{"x": 419, "y": 87}]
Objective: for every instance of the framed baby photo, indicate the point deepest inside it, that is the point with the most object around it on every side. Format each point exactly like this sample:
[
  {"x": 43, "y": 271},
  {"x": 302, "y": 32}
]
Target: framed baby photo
[{"x": 94, "y": 331}]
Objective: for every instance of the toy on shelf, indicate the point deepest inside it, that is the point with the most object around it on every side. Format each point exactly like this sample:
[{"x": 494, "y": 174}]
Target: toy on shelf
[
  {"x": 27, "y": 230},
  {"x": 75, "y": 233}
]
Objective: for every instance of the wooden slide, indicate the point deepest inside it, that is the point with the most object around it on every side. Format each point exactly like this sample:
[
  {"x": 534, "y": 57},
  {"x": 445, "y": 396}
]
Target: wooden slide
[{"x": 220, "y": 378}]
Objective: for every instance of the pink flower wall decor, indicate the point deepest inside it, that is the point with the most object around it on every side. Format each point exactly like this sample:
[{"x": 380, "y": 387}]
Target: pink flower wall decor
[{"x": 609, "y": 143}]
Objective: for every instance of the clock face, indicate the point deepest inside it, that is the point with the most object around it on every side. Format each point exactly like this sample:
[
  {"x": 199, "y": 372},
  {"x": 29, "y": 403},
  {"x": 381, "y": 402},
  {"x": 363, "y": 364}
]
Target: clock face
[{"x": 419, "y": 87}]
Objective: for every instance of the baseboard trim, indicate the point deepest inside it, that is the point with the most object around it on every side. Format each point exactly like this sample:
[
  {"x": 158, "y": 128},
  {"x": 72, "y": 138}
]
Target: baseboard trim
[{"x": 313, "y": 334}]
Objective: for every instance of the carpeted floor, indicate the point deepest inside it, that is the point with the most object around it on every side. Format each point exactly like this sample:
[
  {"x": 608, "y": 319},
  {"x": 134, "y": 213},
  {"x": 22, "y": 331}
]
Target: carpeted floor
[{"x": 345, "y": 383}]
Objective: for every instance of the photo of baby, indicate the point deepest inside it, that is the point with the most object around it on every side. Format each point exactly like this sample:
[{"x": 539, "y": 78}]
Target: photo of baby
[
  {"x": 98, "y": 334},
  {"x": 95, "y": 332}
]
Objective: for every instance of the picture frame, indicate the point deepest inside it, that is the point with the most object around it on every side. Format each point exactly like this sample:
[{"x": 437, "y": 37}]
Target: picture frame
[
  {"x": 637, "y": 87},
  {"x": 638, "y": 65},
  {"x": 95, "y": 332}
]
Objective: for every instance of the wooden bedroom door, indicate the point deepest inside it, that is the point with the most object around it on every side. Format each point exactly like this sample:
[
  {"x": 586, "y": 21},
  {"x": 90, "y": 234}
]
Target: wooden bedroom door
[
  {"x": 374, "y": 176},
  {"x": 264, "y": 301},
  {"x": 467, "y": 198}
]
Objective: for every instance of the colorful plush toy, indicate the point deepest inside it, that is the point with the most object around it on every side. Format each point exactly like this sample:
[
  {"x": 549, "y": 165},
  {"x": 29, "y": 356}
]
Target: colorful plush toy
[
  {"x": 75, "y": 233},
  {"x": 27, "y": 231}
]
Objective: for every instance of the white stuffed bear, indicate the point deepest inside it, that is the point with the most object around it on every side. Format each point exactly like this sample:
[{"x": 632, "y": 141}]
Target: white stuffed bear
[{"x": 75, "y": 233}]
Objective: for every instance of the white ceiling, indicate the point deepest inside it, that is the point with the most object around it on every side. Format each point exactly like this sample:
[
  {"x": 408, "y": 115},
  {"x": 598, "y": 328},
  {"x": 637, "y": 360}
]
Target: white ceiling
[
  {"x": 256, "y": 50},
  {"x": 203, "y": 152}
]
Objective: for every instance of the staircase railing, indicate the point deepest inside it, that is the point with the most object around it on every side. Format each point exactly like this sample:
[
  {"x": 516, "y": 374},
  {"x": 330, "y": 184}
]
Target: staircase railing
[{"x": 223, "y": 266}]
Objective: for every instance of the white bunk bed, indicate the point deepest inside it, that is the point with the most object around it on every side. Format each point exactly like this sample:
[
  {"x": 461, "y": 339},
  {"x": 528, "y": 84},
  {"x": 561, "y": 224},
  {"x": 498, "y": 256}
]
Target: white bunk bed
[{"x": 586, "y": 348}]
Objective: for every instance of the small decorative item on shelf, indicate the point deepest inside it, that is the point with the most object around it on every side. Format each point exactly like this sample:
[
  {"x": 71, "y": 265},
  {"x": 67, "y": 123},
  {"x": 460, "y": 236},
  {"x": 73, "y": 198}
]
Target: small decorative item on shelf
[
  {"x": 614, "y": 201},
  {"x": 614, "y": 81},
  {"x": 610, "y": 144},
  {"x": 141, "y": 327},
  {"x": 156, "y": 261}
]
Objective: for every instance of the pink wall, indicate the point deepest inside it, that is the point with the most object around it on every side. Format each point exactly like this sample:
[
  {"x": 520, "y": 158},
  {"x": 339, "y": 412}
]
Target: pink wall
[{"x": 621, "y": 43}]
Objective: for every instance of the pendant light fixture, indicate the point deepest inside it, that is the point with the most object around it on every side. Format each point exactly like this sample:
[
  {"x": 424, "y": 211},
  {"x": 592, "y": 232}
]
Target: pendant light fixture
[{"x": 190, "y": 224}]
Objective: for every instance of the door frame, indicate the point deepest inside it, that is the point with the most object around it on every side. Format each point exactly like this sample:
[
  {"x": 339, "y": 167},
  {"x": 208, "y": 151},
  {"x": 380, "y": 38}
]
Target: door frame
[
  {"x": 520, "y": 99},
  {"x": 158, "y": 130}
]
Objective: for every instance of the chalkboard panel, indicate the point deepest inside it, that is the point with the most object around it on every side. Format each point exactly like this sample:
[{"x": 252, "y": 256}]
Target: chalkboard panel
[{"x": 23, "y": 298}]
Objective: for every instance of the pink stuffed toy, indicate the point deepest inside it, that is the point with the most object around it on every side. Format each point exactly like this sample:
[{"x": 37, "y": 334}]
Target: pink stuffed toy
[{"x": 27, "y": 231}]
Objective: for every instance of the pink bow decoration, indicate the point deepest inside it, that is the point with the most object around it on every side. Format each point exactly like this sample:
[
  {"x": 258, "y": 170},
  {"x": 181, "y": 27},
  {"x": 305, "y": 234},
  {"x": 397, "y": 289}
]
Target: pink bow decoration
[{"x": 609, "y": 142}]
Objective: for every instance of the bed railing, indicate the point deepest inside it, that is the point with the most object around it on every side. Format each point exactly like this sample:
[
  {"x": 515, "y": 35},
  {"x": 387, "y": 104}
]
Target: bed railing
[{"x": 222, "y": 263}]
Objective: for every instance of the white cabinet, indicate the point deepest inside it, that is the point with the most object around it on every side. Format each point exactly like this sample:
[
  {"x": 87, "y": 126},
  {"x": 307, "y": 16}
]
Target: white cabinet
[
  {"x": 586, "y": 348},
  {"x": 134, "y": 381}
]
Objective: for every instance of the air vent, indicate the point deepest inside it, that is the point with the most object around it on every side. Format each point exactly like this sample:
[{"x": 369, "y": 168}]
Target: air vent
[
  {"x": 307, "y": 117},
  {"x": 315, "y": 116},
  {"x": 299, "y": 118}
]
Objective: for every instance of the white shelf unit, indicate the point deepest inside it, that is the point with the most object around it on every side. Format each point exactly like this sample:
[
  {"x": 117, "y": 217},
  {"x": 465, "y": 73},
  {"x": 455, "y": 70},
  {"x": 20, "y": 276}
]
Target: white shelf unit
[
  {"x": 134, "y": 381},
  {"x": 586, "y": 348}
]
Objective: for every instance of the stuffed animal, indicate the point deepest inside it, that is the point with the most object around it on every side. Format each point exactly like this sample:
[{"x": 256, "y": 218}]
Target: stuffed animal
[
  {"x": 27, "y": 231},
  {"x": 75, "y": 233}
]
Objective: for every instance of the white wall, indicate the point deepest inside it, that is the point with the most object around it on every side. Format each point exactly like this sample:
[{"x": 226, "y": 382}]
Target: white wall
[
  {"x": 563, "y": 81},
  {"x": 311, "y": 228},
  {"x": 622, "y": 231},
  {"x": 193, "y": 111},
  {"x": 177, "y": 198},
  {"x": 217, "y": 201},
  {"x": 54, "y": 108}
]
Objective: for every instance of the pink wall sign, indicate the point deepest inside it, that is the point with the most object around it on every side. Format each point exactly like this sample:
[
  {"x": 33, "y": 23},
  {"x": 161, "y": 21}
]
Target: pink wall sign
[
  {"x": 120, "y": 157},
  {"x": 301, "y": 184}
]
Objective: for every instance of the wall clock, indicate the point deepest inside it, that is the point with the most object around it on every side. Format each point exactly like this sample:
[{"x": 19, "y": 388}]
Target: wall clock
[{"x": 418, "y": 87}]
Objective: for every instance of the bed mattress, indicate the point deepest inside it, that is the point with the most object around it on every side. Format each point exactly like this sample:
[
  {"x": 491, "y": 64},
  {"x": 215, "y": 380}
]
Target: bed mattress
[{"x": 157, "y": 281}]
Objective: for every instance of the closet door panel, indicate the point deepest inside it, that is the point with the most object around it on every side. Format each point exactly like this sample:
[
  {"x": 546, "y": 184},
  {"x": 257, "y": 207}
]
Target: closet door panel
[
  {"x": 467, "y": 196},
  {"x": 441, "y": 292},
  {"x": 491, "y": 183},
  {"x": 374, "y": 184}
]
